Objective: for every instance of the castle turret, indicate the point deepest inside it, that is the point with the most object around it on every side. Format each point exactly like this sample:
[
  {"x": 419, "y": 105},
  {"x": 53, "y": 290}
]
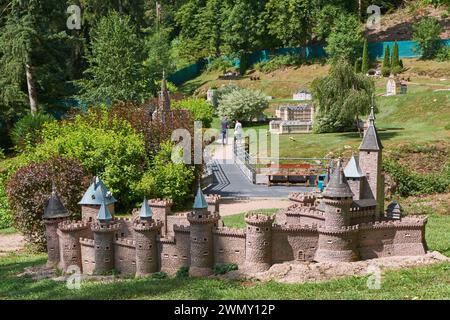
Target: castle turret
[
  {"x": 146, "y": 230},
  {"x": 202, "y": 223},
  {"x": 69, "y": 233},
  {"x": 54, "y": 213},
  {"x": 161, "y": 208},
  {"x": 104, "y": 229},
  {"x": 337, "y": 240},
  {"x": 258, "y": 245},
  {"x": 95, "y": 195},
  {"x": 355, "y": 177},
  {"x": 370, "y": 161}
]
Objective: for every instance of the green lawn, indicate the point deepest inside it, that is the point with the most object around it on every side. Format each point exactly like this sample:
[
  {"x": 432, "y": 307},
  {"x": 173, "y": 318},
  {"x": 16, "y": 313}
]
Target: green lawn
[
  {"x": 237, "y": 220},
  {"x": 430, "y": 282},
  {"x": 10, "y": 230}
]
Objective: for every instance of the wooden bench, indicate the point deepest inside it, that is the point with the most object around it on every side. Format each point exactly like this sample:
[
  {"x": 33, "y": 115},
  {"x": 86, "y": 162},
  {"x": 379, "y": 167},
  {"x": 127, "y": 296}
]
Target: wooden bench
[{"x": 299, "y": 173}]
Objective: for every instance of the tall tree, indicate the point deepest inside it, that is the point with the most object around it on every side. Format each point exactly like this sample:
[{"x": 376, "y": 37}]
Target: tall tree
[
  {"x": 386, "y": 66},
  {"x": 341, "y": 98},
  {"x": 290, "y": 21},
  {"x": 116, "y": 71},
  {"x": 344, "y": 42},
  {"x": 365, "y": 57},
  {"x": 240, "y": 30}
]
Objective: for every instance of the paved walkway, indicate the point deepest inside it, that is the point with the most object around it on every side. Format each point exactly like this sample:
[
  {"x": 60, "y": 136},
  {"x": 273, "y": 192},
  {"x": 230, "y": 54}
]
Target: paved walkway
[{"x": 229, "y": 181}]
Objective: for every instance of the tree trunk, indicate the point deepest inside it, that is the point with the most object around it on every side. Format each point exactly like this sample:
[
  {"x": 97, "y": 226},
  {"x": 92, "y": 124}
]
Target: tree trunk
[{"x": 31, "y": 89}]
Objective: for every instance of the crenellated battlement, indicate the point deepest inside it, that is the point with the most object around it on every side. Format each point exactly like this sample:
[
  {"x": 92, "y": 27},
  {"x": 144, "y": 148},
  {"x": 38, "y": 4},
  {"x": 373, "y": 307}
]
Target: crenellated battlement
[
  {"x": 146, "y": 225},
  {"x": 204, "y": 218},
  {"x": 72, "y": 225},
  {"x": 105, "y": 227},
  {"x": 181, "y": 228},
  {"x": 295, "y": 228},
  {"x": 170, "y": 240},
  {"x": 87, "y": 242},
  {"x": 341, "y": 230},
  {"x": 160, "y": 202},
  {"x": 259, "y": 219},
  {"x": 224, "y": 231},
  {"x": 125, "y": 242},
  {"x": 407, "y": 222}
]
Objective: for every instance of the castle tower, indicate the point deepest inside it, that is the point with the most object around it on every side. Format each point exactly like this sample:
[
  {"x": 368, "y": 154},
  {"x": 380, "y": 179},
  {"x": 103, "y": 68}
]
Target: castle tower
[
  {"x": 146, "y": 230},
  {"x": 95, "y": 195},
  {"x": 69, "y": 233},
  {"x": 54, "y": 213},
  {"x": 161, "y": 208},
  {"x": 355, "y": 177},
  {"x": 202, "y": 223},
  {"x": 104, "y": 230},
  {"x": 258, "y": 245},
  {"x": 370, "y": 161},
  {"x": 337, "y": 240},
  {"x": 164, "y": 97}
]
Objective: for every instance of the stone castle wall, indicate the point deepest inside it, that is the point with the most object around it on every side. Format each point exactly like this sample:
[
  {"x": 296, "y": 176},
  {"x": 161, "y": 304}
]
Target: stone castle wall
[
  {"x": 125, "y": 256},
  {"x": 229, "y": 246},
  {"x": 174, "y": 253},
  {"x": 294, "y": 243}
]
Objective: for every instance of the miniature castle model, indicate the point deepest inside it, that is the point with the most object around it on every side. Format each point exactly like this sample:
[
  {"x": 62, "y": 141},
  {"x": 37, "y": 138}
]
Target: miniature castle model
[
  {"x": 395, "y": 86},
  {"x": 293, "y": 119},
  {"x": 346, "y": 222}
]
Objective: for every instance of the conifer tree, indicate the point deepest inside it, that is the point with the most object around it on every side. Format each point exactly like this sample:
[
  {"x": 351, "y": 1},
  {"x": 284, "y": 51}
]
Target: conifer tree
[
  {"x": 395, "y": 60},
  {"x": 365, "y": 58},
  {"x": 386, "y": 67}
]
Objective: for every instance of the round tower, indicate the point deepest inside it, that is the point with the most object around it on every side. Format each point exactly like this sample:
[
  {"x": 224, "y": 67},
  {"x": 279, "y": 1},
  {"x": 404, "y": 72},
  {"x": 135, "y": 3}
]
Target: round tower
[
  {"x": 337, "y": 239},
  {"x": 104, "y": 230},
  {"x": 54, "y": 213},
  {"x": 202, "y": 223},
  {"x": 69, "y": 233},
  {"x": 258, "y": 245},
  {"x": 146, "y": 230}
]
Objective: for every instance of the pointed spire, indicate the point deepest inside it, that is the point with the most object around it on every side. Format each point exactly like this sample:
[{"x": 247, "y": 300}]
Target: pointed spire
[
  {"x": 103, "y": 214},
  {"x": 96, "y": 193},
  {"x": 338, "y": 186},
  {"x": 353, "y": 170},
  {"x": 145, "y": 212},
  {"x": 371, "y": 141},
  {"x": 200, "y": 200},
  {"x": 54, "y": 208}
]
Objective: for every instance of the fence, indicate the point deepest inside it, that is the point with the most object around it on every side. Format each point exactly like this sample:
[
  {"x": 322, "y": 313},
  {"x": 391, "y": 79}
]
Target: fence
[{"x": 407, "y": 49}]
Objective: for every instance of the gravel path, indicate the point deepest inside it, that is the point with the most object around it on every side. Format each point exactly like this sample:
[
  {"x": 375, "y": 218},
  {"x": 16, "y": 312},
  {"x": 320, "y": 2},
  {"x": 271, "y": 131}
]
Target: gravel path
[
  {"x": 11, "y": 243},
  {"x": 230, "y": 207}
]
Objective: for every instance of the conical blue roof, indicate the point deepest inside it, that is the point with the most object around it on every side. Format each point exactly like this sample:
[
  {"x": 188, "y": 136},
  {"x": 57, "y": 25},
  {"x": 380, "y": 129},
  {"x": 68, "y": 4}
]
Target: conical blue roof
[
  {"x": 103, "y": 213},
  {"x": 200, "y": 200},
  {"x": 145, "y": 212},
  {"x": 97, "y": 193}
]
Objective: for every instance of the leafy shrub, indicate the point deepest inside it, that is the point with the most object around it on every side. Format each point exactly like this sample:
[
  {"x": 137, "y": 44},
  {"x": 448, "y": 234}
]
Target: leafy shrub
[
  {"x": 183, "y": 272},
  {"x": 26, "y": 130},
  {"x": 171, "y": 180},
  {"x": 278, "y": 62},
  {"x": 159, "y": 275},
  {"x": 200, "y": 109},
  {"x": 412, "y": 184},
  {"x": 242, "y": 104},
  {"x": 221, "y": 64},
  {"x": 427, "y": 34},
  {"x": 443, "y": 54},
  {"x": 30, "y": 186},
  {"x": 224, "y": 268},
  {"x": 108, "y": 147},
  {"x": 5, "y": 214}
]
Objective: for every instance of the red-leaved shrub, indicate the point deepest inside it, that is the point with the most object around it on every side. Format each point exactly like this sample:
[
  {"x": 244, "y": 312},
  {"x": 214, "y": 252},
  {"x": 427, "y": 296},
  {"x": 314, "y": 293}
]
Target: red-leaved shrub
[{"x": 30, "y": 187}]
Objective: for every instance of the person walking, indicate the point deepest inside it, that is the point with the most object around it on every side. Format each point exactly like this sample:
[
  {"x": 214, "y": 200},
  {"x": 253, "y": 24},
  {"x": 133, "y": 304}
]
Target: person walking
[
  {"x": 224, "y": 128},
  {"x": 238, "y": 131}
]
